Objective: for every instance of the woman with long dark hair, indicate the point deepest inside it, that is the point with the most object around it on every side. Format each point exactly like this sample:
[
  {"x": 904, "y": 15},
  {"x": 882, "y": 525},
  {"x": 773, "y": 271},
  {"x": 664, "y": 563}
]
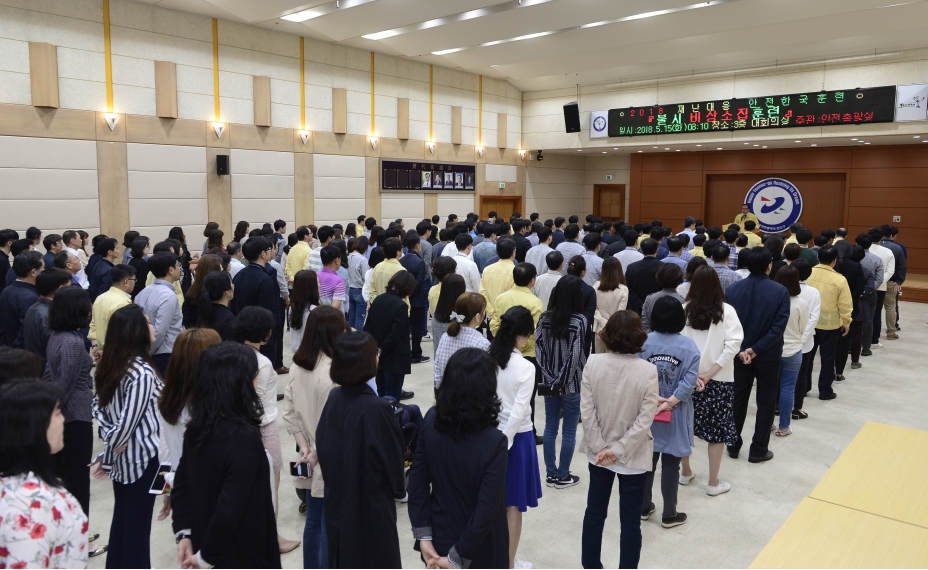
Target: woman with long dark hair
[
  {"x": 775, "y": 245},
  {"x": 180, "y": 383},
  {"x": 357, "y": 269},
  {"x": 207, "y": 233},
  {"x": 68, "y": 366},
  {"x": 42, "y": 524},
  {"x": 691, "y": 267},
  {"x": 221, "y": 495},
  {"x": 351, "y": 230},
  {"x": 183, "y": 256},
  {"x": 470, "y": 310},
  {"x": 215, "y": 241},
  {"x": 241, "y": 230},
  {"x": 374, "y": 258},
  {"x": 458, "y": 482},
  {"x": 218, "y": 291},
  {"x": 191, "y": 307},
  {"x": 388, "y": 323},
  {"x": 125, "y": 408},
  {"x": 611, "y": 296},
  {"x": 515, "y": 385},
  {"x": 127, "y": 240},
  {"x": 714, "y": 326},
  {"x": 304, "y": 297},
  {"x": 360, "y": 446},
  {"x": 140, "y": 250},
  {"x": 560, "y": 349},
  {"x": 304, "y": 398},
  {"x": 440, "y": 306}
]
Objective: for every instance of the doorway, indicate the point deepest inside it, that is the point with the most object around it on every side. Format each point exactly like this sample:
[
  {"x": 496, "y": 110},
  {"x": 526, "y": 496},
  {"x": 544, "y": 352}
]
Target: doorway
[
  {"x": 504, "y": 206},
  {"x": 609, "y": 201}
]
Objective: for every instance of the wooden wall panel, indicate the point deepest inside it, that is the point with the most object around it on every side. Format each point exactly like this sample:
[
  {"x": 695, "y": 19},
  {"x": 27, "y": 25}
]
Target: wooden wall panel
[
  {"x": 837, "y": 159},
  {"x": 864, "y": 197},
  {"x": 113, "y": 187},
  {"x": 154, "y": 130},
  {"x": 218, "y": 193},
  {"x": 671, "y": 178},
  {"x": 671, "y": 215},
  {"x": 430, "y": 206},
  {"x": 28, "y": 121},
  {"x": 890, "y": 177},
  {"x": 166, "y": 89},
  {"x": 663, "y": 162},
  {"x": 304, "y": 203},
  {"x": 402, "y": 118},
  {"x": 43, "y": 74},
  {"x": 253, "y": 137},
  {"x": 672, "y": 194},
  {"x": 912, "y": 218},
  {"x": 456, "y": 124},
  {"x": 908, "y": 157},
  {"x": 501, "y": 130},
  {"x": 372, "y": 187},
  {"x": 740, "y": 161},
  {"x": 262, "y": 100},
  {"x": 339, "y": 110}
]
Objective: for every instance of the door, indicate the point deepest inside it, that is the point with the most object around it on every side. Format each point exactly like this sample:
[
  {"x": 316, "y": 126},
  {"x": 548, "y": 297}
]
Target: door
[
  {"x": 609, "y": 201},
  {"x": 504, "y": 206}
]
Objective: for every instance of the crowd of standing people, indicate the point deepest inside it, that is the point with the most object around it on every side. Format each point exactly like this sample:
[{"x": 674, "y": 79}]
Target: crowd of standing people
[{"x": 173, "y": 356}]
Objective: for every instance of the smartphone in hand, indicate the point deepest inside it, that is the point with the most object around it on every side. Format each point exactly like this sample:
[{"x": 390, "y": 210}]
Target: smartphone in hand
[{"x": 300, "y": 470}]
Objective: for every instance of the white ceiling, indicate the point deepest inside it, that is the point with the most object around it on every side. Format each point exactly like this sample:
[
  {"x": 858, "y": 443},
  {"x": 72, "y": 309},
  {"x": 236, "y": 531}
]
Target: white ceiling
[{"x": 720, "y": 34}]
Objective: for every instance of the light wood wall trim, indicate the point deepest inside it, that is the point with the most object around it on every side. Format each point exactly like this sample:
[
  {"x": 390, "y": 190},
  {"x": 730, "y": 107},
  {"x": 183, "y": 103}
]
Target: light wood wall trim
[
  {"x": 304, "y": 206},
  {"x": 166, "y": 89},
  {"x": 501, "y": 130},
  {"x": 103, "y": 132},
  {"x": 262, "y": 100},
  {"x": 347, "y": 145},
  {"x": 372, "y": 187},
  {"x": 253, "y": 137},
  {"x": 29, "y": 121},
  {"x": 402, "y": 149},
  {"x": 430, "y": 205},
  {"x": 113, "y": 187},
  {"x": 456, "y": 124},
  {"x": 218, "y": 193},
  {"x": 154, "y": 130},
  {"x": 402, "y": 118},
  {"x": 450, "y": 152},
  {"x": 43, "y": 74},
  {"x": 339, "y": 110}
]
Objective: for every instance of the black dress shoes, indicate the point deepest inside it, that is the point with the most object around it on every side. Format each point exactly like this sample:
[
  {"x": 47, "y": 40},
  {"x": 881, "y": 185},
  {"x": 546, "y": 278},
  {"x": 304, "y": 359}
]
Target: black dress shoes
[{"x": 760, "y": 459}]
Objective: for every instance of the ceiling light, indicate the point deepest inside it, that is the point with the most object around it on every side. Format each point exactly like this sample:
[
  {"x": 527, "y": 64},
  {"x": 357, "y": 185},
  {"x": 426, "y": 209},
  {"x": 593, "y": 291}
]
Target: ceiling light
[
  {"x": 813, "y": 144},
  {"x": 853, "y": 139},
  {"x": 747, "y": 143},
  {"x": 111, "y": 120},
  {"x": 757, "y": 145},
  {"x": 328, "y": 8},
  {"x": 615, "y": 148},
  {"x": 678, "y": 150},
  {"x": 765, "y": 146},
  {"x": 798, "y": 141},
  {"x": 699, "y": 145},
  {"x": 304, "y": 136},
  {"x": 643, "y": 151},
  {"x": 495, "y": 65},
  {"x": 604, "y": 152},
  {"x": 720, "y": 148},
  {"x": 447, "y": 51},
  {"x": 579, "y": 151},
  {"x": 655, "y": 147},
  {"x": 917, "y": 137},
  {"x": 866, "y": 143},
  {"x": 219, "y": 128},
  {"x": 584, "y": 26},
  {"x": 460, "y": 17}
]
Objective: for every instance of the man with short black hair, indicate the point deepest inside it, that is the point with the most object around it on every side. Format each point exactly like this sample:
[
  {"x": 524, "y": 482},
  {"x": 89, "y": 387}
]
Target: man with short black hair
[
  {"x": 18, "y": 246},
  {"x": 100, "y": 282},
  {"x": 641, "y": 276},
  {"x": 418, "y": 300},
  {"x": 544, "y": 283},
  {"x": 894, "y": 285},
  {"x": 72, "y": 242},
  {"x": 424, "y": 230},
  {"x": 331, "y": 286},
  {"x": 491, "y": 217},
  {"x": 831, "y": 236},
  {"x": 570, "y": 247},
  {"x": 380, "y": 276},
  {"x": 835, "y": 317},
  {"x": 536, "y": 255},
  {"x": 594, "y": 263},
  {"x": 722, "y": 266},
  {"x": 744, "y": 216},
  {"x": 108, "y": 302},
  {"x": 159, "y": 301},
  {"x": 34, "y": 235},
  {"x": 674, "y": 249},
  {"x": 497, "y": 277},
  {"x": 557, "y": 235},
  {"x": 255, "y": 287},
  {"x": 298, "y": 258},
  {"x": 869, "y": 304},
  {"x": 804, "y": 239},
  {"x": 763, "y": 309},
  {"x": 7, "y": 237},
  {"x": 234, "y": 249},
  {"x": 884, "y": 289},
  {"x": 326, "y": 235},
  {"x": 452, "y": 218},
  {"x": 689, "y": 228},
  {"x": 630, "y": 254},
  {"x": 466, "y": 268},
  {"x": 70, "y": 263},
  {"x": 35, "y": 324},
  {"x": 486, "y": 249},
  {"x": 750, "y": 230},
  {"x": 52, "y": 244},
  {"x": 280, "y": 229},
  {"x": 519, "y": 228},
  {"x": 16, "y": 299}
]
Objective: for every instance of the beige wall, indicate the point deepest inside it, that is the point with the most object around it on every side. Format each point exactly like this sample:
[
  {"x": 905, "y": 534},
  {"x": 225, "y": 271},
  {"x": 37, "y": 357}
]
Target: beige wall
[{"x": 543, "y": 116}]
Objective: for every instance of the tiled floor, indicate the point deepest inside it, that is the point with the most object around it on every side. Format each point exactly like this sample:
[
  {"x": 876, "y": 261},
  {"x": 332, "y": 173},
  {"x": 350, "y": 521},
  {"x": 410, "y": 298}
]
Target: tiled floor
[{"x": 725, "y": 531}]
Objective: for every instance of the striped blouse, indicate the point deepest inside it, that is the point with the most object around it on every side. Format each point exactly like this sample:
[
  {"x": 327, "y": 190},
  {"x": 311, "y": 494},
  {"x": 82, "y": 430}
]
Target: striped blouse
[
  {"x": 561, "y": 359},
  {"x": 131, "y": 417}
]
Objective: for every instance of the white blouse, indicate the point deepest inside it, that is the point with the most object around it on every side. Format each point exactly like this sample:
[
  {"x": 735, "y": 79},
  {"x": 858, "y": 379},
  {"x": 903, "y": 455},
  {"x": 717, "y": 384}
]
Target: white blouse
[
  {"x": 40, "y": 526},
  {"x": 719, "y": 344},
  {"x": 514, "y": 386},
  {"x": 793, "y": 335},
  {"x": 296, "y": 335},
  {"x": 266, "y": 387}
]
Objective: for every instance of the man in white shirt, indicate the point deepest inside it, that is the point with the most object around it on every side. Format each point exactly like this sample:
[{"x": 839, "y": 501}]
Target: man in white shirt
[
  {"x": 889, "y": 268},
  {"x": 536, "y": 255},
  {"x": 545, "y": 282},
  {"x": 72, "y": 242},
  {"x": 689, "y": 229},
  {"x": 466, "y": 268},
  {"x": 594, "y": 263},
  {"x": 813, "y": 298},
  {"x": 234, "y": 249},
  {"x": 570, "y": 247},
  {"x": 630, "y": 254},
  {"x": 314, "y": 262}
]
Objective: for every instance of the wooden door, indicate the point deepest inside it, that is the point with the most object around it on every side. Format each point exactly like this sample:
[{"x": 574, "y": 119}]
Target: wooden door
[
  {"x": 504, "y": 206},
  {"x": 609, "y": 201}
]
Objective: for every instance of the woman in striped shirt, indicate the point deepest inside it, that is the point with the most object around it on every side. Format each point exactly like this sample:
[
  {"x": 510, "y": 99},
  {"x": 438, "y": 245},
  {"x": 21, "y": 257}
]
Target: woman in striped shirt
[{"x": 126, "y": 411}]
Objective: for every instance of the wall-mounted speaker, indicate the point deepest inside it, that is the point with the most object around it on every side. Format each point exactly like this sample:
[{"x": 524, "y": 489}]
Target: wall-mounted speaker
[
  {"x": 572, "y": 117},
  {"x": 222, "y": 164}
]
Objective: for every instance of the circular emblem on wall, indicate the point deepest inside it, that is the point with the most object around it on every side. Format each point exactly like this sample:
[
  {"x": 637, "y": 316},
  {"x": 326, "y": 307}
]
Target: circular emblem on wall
[
  {"x": 599, "y": 124},
  {"x": 776, "y": 202}
]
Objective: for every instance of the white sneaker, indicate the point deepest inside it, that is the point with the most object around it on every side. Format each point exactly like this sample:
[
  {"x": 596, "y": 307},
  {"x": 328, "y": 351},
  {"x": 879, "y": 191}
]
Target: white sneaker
[
  {"x": 405, "y": 499},
  {"x": 522, "y": 564},
  {"x": 876, "y": 345},
  {"x": 722, "y": 487},
  {"x": 687, "y": 479}
]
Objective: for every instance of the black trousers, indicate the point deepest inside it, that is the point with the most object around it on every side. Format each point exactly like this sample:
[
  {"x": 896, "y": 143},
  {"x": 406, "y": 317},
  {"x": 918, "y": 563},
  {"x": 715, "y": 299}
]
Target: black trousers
[
  {"x": 130, "y": 532},
  {"x": 767, "y": 374},
  {"x": 827, "y": 343},
  {"x": 878, "y": 316},
  {"x": 538, "y": 380},
  {"x": 71, "y": 462},
  {"x": 804, "y": 382},
  {"x": 417, "y": 316},
  {"x": 670, "y": 482}
]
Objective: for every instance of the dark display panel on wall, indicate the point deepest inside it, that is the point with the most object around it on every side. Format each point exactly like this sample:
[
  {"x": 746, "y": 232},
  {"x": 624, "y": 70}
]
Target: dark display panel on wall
[
  {"x": 396, "y": 175},
  {"x": 813, "y": 109}
]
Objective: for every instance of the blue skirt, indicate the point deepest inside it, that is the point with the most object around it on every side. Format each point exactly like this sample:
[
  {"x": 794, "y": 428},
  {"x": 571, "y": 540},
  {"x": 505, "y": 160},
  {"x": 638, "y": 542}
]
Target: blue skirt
[{"x": 523, "y": 479}]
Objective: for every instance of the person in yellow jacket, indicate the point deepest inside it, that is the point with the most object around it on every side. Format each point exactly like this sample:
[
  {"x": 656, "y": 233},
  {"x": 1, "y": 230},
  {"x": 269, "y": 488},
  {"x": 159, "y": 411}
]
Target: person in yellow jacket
[
  {"x": 298, "y": 258},
  {"x": 746, "y": 215},
  {"x": 834, "y": 319},
  {"x": 497, "y": 278},
  {"x": 749, "y": 229}
]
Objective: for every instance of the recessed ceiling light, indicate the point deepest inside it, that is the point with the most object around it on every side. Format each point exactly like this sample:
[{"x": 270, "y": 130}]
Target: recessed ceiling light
[
  {"x": 678, "y": 150},
  {"x": 813, "y": 144},
  {"x": 655, "y": 147},
  {"x": 798, "y": 141},
  {"x": 615, "y": 148},
  {"x": 643, "y": 151},
  {"x": 495, "y": 65},
  {"x": 757, "y": 145},
  {"x": 699, "y": 145},
  {"x": 866, "y": 143},
  {"x": 447, "y": 51},
  {"x": 853, "y": 139},
  {"x": 765, "y": 146},
  {"x": 747, "y": 143},
  {"x": 604, "y": 152},
  {"x": 579, "y": 151},
  {"x": 666, "y": 148},
  {"x": 328, "y": 8},
  {"x": 917, "y": 137},
  {"x": 720, "y": 148}
]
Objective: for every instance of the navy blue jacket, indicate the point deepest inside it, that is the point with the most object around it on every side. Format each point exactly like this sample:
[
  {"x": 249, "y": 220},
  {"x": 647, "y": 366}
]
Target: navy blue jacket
[
  {"x": 763, "y": 308},
  {"x": 414, "y": 264},
  {"x": 522, "y": 247},
  {"x": 14, "y": 302},
  {"x": 254, "y": 287},
  {"x": 100, "y": 279},
  {"x": 557, "y": 236}
]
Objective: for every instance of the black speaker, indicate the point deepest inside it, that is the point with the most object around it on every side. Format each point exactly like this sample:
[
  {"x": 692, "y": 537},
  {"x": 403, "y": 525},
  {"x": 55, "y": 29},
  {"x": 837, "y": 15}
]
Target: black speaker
[
  {"x": 222, "y": 164},
  {"x": 572, "y": 117}
]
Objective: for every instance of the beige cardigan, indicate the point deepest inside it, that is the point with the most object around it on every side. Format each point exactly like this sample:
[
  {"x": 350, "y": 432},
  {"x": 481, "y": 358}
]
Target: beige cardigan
[
  {"x": 618, "y": 400},
  {"x": 608, "y": 302},
  {"x": 304, "y": 398}
]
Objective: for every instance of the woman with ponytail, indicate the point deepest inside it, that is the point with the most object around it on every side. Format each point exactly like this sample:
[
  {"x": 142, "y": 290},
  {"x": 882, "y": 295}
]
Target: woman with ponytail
[
  {"x": 468, "y": 314},
  {"x": 214, "y": 304},
  {"x": 515, "y": 383}
]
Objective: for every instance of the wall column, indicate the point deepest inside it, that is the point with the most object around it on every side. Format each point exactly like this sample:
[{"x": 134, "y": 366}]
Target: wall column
[{"x": 113, "y": 188}]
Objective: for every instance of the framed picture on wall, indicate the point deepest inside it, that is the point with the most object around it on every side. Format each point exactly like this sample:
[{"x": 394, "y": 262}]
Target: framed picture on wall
[
  {"x": 468, "y": 180},
  {"x": 426, "y": 179},
  {"x": 400, "y": 175},
  {"x": 437, "y": 179},
  {"x": 402, "y": 179},
  {"x": 449, "y": 180},
  {"x": 415, "y": 179},
  {"x": 458, "y": 180},
  {"x": 389, "y": 178}
]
